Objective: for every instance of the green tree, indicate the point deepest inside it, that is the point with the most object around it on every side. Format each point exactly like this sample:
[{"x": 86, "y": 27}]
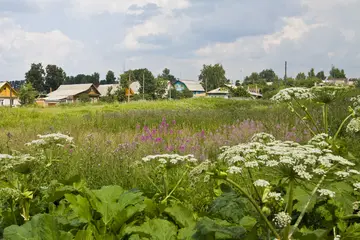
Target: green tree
[
  {"x": 268, "y": 75},
  {"x": 27, "y": 94},
  {"x": 311, "y": 73},
  {"x": 147, "y": 81},
  {"x": 239, "y": 92},
  {"x": 36, "y": 76},
  {"x": 166, "y": 75},
  {"x": 321, "y": 75},
  {"x": 254, "y": 78},
  {"x": 301, "y": 76},
  {"x": 237, "y": 83},
  {"x": 336, "y": 73},
  {"x": 127, "y": 78},
  {"x": 161, "y": 85},
  {"x": 95, "y": 78},
  {"x": 110, "y": 77},
  {"x": 212, "y": 76},
  {"x": 55, "y": 76}
]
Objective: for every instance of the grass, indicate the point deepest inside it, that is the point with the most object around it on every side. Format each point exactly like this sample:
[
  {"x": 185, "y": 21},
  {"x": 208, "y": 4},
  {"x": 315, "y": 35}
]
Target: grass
[{"x": 111, "y": 137}]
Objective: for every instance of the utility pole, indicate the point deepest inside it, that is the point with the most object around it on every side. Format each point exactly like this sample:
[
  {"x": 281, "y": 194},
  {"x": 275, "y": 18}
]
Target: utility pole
[
  {"x": 128, "y": 92},
  {"x": 285, "y": 77},
  {"x": 143, "y": 86},
  {"x": 206, "y": 86},
  {"x": 11, "y": 100}
]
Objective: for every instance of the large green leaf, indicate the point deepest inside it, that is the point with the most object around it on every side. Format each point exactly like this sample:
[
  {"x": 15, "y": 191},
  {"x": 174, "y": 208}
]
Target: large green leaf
[
  {"x": 84, "y": 235},
  {"x": 181, "y": 215},
  {"x": 40, "y": 227},
  {"x": 155, "y": 229},
  {"x": 319, "y": 234},
  {"x": 352, "y": 232},
  {"x": 343, "y": 195},
  {"x": 81, "y": 207},
  {"x": 218, "y": 229},
  {"x": 248, "y": 222},
  {"x": 302, "y": 196}
]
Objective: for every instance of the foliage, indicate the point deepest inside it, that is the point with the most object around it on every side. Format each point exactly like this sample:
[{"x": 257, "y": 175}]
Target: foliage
[
  {"x": 239, "y": 92},
  {"x": 212, "y": 76},
  {"x": 83, "y": 78},
  {"x": 27, "y": 94},
  {"x": 174, "y": 94},
  {"x": 268, "y": 75},
  {"x": 35, "y": 76},
  {"x": 300, "y": 76},
  {"x": 55, "y": 76},
  {"x": 337, "y": 73},
  {"x": 167, "y": 76},
  {"x": 321, "y": 75},
  {"x": 110, "y": 77},
  {"x": 161, "y": 87}
]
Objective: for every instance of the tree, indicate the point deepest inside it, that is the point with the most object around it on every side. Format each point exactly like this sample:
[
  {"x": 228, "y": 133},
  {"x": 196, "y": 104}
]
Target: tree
[
  {"x": 166, "y": 75},
  {"x": 27, "y": 94},
  {"x": 95, "y": 78},
  {"x": 254, "y": 78},
  {"x": 55, "y": 76},
  {"x": 337, "y": 73},
  {"x": 147, "y": 81},
  {"x": 212, "y": 76},
  {"x": 301, "y": 76},
  {"x": 35, "y": 76},
  {"x": 84, "y": 98},
  {"x": 239, "y": 92},
  {"x": 127, "y": 78},
  {"x": 321, "y": 75},
  {"x": 237, "y": 83},
  {"x": 110, "y": 77},
  {"x": 311, "y": 73},
  {"x": 268, "y": 75},
  {"x": 161, "y": 85}
]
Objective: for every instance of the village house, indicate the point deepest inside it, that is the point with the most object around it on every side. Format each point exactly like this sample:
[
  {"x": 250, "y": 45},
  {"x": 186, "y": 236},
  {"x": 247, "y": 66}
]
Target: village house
[
  {"x": 104, "y": 89},
  {"x": 8, "y": 95},
  {"x": 193, "y": 86},
  {"x": 70, "y": 94}
]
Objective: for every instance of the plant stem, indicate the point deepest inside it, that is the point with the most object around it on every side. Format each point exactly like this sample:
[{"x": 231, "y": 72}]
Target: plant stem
[
  {"x": 253, "y": 202},
  {"x": 302, "y": 214},
  {"x": 325, "y": 118},
  {"x": 257, "y": 192},
  {"x": 289, "y": 207},
  {"x": 309, "y": 116},
  {"x": 165, "y": 182},
  {"x": 12, "y": 212},
  {"x": 341, "y": 126},
  {"x": 302, "y": 120},
  {"x": 177, "y": 184},
  {"x": 348, "y": 217}
]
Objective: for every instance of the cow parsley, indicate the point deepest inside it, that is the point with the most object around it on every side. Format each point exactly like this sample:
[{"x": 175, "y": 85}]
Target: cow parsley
[
  {"x": 326, "y": 192},
  {"x": 234, "y": 170},
  {"x": 274, "y": 195},
  {"x": 342, "y": 174},
  {"x": 356, "y": 186},
  {"x": 282, "y": 219},
  {"x": 353, "y": 126},
  {"x": 288, "y": 94},
  {"x": 261, "y": 183}
]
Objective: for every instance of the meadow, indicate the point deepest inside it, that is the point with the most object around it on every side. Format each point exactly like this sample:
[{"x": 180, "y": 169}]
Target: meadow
[{"x": 152, "y": 170}]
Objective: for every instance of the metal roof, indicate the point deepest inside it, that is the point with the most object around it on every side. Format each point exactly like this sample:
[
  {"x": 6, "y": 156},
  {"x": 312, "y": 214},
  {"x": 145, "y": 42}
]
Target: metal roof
[
  {"x": 65, "y": 91},
  {"x": 193, "y": 85},
  {"x": 218, "y": 91},
  {"x": 103, "y": 89}
]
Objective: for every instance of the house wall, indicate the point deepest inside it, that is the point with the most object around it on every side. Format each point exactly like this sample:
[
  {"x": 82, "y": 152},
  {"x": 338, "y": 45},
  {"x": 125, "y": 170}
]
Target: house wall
[
  {"x": 199, "y": 94},
  {"x": 5, "y": 92},
  {"x": 6, "y": 102},
  {"x": 216, "y": 95}
]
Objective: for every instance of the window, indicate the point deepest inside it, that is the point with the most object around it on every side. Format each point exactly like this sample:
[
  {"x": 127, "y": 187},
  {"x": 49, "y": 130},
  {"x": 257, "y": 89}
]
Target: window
[{"x": 1, "y": 102}]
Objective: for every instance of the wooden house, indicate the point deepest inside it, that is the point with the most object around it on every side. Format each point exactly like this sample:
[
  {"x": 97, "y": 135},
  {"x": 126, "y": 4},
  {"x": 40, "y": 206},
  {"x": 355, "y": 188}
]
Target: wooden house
[
  {"x": 71, "y": 94},
  {"x": 8, "y": 95}
]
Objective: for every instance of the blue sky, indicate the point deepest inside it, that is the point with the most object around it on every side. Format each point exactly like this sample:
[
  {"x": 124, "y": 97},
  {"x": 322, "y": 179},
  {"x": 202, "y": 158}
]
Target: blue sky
[{"x": 84, "y": 36}]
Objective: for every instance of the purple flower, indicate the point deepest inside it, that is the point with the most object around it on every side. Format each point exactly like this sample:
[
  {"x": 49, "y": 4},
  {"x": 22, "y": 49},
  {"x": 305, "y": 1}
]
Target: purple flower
[
  {"x": 158, "y": 140},
  {"x": 174, "y": 122}
]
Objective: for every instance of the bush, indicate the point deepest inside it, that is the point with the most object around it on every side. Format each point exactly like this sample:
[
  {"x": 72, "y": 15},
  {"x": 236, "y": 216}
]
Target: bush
[{"x": 84, "y": 98}]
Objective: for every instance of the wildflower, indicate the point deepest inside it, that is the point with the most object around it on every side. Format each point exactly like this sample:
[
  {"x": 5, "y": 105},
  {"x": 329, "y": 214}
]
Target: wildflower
[
  {"x": 356, "y": 205},
  {"x": 326, "y": 192},
  {"x": 163, "y": 161},
  {"x": 206, "y": 178},
  {"x": 234, "y": 170},
  {"x": 3, "y": 156},
  {"x": 274, "y": 195},
  {"x": 319, "y": 171},
  {"x": 288, "y": 94},
  {"x": 353, "y": 171},
  {"x": 271, "y": 163},
  {"x": 199, "y": 169},
  {"x": 356, "y": 186},
  {"x": 261, "y": 183},
  {"x": 287, "y": 160},
  {"x": 263, "y": 138},
  {"x": 353, "y": 126},
  {"x": 236, "y": 159},
  {"x": 342, "y": 174},
  {"x": 282, "y": 219},
  {"x": 301, "y": 171},
  {"x": 251, "y": 164}
]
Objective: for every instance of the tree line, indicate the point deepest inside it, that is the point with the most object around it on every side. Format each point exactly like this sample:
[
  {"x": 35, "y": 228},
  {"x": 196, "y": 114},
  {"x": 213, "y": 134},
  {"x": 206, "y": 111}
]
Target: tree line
[{"x": 44, "y": 80}]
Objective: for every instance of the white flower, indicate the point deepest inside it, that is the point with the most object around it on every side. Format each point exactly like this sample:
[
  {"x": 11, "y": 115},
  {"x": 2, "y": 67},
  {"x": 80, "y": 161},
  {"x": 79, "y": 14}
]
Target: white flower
[
  {"x": 263, "y": 157},
  {"x": 287, "y": 160},
  {"x": 236, "y": 159},
  {"x": 251, "y": 164},
  {"x": 163, "y": 161},
  {"x": 282, "y": 219},
  {"x": 234, "y": 170},
  {"x": 261, "y": 183},
  {"x": 288, "y": 94},
  {"x": 301, "y": 171},
  {"x": 326, "y": 192},
  {"x": 337, "y": 237},
  {"x": 356, "y": 186},
  {"x": 263, "y": 138},
  {"x": 356, "y": 205},
  {"x": 353, "y": 126},
  {"x": 319, "y": 171},
  {"x": 276, "y": 196},
  {"x": 3, "y": 156},
  {"x": 342, "y": 174},
  {"x": 271, "y": 163},
  {"x": 353, "y": 171}
]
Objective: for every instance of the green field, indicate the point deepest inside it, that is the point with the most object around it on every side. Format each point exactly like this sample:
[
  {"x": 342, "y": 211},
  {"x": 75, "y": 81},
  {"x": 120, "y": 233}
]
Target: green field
[{"x": 110, "y": 141}]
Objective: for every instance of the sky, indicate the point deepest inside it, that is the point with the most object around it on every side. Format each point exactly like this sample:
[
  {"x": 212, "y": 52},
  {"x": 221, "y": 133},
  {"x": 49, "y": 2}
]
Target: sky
[{"x": 86, "y": 36}]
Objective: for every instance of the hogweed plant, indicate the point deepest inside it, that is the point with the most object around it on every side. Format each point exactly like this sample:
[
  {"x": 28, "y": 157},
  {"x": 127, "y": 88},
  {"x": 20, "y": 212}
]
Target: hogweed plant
[{"x": 272, "y": 173}]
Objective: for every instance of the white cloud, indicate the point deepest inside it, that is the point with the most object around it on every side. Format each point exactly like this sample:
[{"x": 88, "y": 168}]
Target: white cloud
[{"x": 19, "y": 48}]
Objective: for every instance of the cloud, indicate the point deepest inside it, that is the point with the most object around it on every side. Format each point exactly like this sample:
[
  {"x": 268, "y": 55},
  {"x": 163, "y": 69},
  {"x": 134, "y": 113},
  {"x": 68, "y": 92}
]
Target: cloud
[{"x": 19, "y": 48}]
